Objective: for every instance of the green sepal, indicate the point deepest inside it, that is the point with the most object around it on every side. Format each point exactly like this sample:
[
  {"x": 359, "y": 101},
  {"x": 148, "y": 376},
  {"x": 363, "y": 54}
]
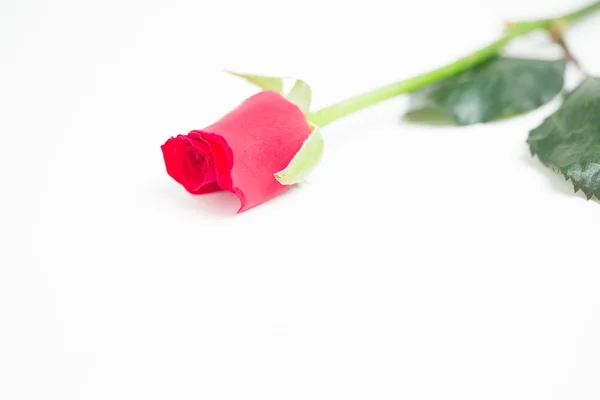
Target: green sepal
[
  {"x": 300, "y": 94},
  {"x": 305, "y": 161},
  {"x": 263, "y": 82}
]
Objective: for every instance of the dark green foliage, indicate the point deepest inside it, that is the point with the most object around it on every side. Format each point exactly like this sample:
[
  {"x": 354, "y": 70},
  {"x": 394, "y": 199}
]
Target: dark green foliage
[
  {"x": 569, "y": 140},
  {"x": 500, "y": 88}
]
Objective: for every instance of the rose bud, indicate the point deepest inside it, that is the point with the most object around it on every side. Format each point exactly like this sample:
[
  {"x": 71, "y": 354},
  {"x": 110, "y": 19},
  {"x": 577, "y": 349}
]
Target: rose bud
[{"x": 253, "y": 151}]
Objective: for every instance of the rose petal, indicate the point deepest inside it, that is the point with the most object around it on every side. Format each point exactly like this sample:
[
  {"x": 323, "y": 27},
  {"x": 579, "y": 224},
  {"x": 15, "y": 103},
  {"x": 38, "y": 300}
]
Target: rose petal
[
  {"x": 172, "y": 163},
  {"x": 192, "y": 172},
  {"x": 212, "y": 163},
  {"x": 208, "y": 188},
  {"x": 189, "y": 162},
  {"x": 222, "y": 158}
]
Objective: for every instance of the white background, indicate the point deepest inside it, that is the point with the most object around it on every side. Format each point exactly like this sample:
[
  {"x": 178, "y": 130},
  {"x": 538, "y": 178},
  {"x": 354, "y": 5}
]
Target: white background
[{"x": 416, "y": 263}]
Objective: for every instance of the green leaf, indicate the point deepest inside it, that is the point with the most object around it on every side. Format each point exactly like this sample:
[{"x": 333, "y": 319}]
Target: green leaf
[
  {"x": 569, "y": 140},
  {"x": 263, "y": 82},
  {"x": 500, "y": 88},
  {"x": 305, "y": 161},
  {"x": 300, "y": 95}
]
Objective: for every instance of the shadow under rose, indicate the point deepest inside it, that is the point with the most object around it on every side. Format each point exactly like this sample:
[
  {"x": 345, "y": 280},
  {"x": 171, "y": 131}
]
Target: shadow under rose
[
  {"x": 217, "y": 204},
  {"x": 426, "y": 117}
]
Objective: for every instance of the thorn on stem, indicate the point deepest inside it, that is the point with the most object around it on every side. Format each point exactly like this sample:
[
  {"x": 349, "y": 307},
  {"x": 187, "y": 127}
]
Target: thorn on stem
[
  {"x": 509, "y": 25},
  {"x": 556, "y": 31}
]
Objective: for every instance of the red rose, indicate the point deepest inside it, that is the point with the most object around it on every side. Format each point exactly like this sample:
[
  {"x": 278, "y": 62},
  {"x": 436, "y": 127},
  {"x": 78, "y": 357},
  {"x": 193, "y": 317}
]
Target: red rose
[{"x": 242, "y": 151}]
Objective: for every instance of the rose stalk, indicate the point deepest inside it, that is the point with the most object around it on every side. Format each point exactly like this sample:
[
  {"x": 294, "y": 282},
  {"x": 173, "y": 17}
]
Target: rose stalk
[{"x": 272, "y": 141}]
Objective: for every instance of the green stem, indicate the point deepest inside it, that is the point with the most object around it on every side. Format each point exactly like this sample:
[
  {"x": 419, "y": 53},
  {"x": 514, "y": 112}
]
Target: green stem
[
  {"x": 581, "y": 13},
  {"x": 356, "y": 103}
]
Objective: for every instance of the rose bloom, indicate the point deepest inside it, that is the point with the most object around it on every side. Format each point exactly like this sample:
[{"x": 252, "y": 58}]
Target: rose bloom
[{"x": 241, "y": 152}]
